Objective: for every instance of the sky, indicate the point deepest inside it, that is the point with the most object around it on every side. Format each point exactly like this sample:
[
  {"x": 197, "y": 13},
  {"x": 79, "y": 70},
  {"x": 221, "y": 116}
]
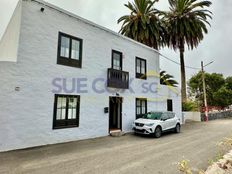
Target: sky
[{"x": 216, "y": 45}]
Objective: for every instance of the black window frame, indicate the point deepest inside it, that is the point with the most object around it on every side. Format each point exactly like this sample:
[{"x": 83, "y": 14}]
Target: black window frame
[
  {"x": 68, "y": 61},
  {"x": 112, "y": 59},
  {"x": 140, "y": 106},
  {"x": 140, "y": 75},
  {"x": 169, "y": 105},
  {"x": 67, "y": 123}
]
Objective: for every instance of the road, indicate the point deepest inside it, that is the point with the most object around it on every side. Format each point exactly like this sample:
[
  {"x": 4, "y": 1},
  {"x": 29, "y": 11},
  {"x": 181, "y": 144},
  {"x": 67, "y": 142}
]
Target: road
[{"x": 197, "y": 142}]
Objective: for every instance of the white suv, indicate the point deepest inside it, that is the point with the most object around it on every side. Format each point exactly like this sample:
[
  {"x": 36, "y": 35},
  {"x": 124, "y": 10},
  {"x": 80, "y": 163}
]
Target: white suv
[{"x": 157, "y": 122}]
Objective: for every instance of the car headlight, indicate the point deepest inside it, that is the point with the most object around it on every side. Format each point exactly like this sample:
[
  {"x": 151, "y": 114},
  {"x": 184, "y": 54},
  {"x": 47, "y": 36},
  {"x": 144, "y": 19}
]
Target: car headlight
[{"x": 149, "y": 125}]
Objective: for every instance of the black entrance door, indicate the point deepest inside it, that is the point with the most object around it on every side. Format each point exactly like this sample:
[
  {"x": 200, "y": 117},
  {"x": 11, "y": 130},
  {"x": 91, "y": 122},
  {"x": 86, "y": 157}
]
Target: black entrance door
[{"x": 115, "y": 113}]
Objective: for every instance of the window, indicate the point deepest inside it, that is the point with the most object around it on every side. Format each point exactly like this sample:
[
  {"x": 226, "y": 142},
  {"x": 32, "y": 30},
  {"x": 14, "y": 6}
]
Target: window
[
  {"x": 117, "y": 60},
  {"x": 171, "y": 115},
  {"x": 141, "y": 107},
  {"x": 66, "y": 111},
  {"x": 141, "y": 68},
  {"x": 165, "y": 116},
  {"x": 169, "y": 105},
  {"x": 69, "y": 50}
]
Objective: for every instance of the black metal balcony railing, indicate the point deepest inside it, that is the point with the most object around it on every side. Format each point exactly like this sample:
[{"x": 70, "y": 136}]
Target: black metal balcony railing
[{"x": 117, "y": 79}]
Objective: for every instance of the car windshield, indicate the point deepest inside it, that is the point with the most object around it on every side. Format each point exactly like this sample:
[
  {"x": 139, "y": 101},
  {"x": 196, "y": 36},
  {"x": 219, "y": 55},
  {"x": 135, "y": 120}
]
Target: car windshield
[{"x": 153, "y": 115}]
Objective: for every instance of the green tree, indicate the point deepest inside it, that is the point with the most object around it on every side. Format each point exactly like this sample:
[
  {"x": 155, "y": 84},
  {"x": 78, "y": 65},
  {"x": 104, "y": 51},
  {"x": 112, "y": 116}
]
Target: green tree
[
  {"x": 186, "y": 24},
  {"x": 223, "y": 97},
  {"x": 143, "y": 23},
  {"x": 217, "y": 90},
  {"x": 167, "y": 79},
  {"x": 229, "y": 83}
]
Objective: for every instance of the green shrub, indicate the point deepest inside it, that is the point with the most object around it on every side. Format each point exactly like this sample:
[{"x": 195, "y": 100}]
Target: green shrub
[{"x": 190, "y": 106}]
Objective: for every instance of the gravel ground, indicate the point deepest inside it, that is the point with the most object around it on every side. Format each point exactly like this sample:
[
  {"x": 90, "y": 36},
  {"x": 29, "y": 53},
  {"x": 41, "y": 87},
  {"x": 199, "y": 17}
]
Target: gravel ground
[{"x": 127, "y": 154}]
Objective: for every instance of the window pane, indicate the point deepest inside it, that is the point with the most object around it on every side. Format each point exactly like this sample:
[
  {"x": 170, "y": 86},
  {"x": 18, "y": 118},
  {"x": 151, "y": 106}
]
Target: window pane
[
  {"x": 137, "y": 102},
  {"x": 116, "y": 56},
  {"x": 143, "y": 103},
  {"x": 138, "y": 66},
  {"x": 116, "y": 64},
  {"x": 143, "y": 67},
  {"x": 72, "y": 108},
  {"x": 61, "y": 108},
  {"x": 75, "y": 49},
  {"x": 138, "y": 110},
  {"x": 117, "y": 61},
  {"x": 165, "y": 116},
  {"x": 65, "y": 45},
  {"x": 143, "y": 109}
]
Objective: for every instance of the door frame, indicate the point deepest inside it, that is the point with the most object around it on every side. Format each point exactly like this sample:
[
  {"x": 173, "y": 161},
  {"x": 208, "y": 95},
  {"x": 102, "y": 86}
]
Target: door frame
[{"x": 120, "y": 112}]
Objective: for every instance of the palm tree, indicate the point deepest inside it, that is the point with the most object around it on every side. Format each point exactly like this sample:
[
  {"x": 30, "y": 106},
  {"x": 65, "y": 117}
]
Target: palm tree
[
  {"x": 143, "y": 23},
  {"x": 186, "y": 23},
  {"x": 167, "y": 79}
]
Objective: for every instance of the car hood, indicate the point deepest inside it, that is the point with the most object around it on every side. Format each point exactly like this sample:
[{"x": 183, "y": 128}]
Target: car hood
[{"x": 146, "y": 121}]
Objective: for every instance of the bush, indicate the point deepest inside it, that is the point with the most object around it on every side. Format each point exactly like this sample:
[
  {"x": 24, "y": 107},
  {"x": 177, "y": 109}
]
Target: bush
[{"x": 190, "y": 106}]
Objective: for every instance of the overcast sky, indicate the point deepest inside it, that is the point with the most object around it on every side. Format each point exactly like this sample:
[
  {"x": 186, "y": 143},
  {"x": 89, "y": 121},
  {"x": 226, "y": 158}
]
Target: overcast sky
[{"x": 216, "y": 45}]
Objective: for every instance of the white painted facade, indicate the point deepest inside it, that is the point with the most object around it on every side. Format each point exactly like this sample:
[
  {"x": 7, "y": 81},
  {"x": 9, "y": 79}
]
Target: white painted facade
[
  {"x": 192, "y": 116},
  {"x": 27, "y": 100}
]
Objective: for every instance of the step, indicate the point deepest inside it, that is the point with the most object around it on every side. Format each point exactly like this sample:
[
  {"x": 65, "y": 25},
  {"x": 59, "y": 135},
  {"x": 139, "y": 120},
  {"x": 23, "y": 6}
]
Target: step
[{"x": 116, "y": 133}]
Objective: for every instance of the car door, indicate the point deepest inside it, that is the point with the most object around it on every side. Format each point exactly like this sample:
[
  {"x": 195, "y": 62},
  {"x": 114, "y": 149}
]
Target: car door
[
  {"x": 172, "y": 120},
  {"x": 165, "y": 121}
]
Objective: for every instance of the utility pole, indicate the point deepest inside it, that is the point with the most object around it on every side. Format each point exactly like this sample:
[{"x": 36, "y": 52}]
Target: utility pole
[{"x": 204, "y": 91}]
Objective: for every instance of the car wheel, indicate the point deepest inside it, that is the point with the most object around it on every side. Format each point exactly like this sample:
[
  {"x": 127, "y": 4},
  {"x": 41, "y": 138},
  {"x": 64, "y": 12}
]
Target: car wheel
[
  {"x": 177, "y": 129},
  {"x": 158, "y": 132}
]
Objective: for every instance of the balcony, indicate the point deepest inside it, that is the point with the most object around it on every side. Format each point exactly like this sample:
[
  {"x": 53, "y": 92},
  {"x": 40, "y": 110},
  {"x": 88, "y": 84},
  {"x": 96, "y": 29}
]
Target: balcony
[{"x": 117, "y": 79}]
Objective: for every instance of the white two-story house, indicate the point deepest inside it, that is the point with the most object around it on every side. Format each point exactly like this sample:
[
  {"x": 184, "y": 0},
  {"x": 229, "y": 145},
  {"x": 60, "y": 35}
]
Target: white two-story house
[{"x": 63, "y": 78}]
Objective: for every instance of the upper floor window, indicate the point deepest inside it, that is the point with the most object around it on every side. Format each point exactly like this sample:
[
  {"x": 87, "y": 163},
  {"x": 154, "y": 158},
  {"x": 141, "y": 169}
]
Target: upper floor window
[
  {"x": 69, "y": 50},
  {"x": 66, "y": 111},
  {"x": 116, "y": 60},
  {"x": 169, "y": 105},
  {"x": 141, "y": 107},
  {"x": 141, "y": 68}
]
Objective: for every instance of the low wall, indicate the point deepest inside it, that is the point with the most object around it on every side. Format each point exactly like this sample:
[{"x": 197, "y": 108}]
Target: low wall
[
  {"x": 191, "y": 116},
  {"x": 217, "y": 115}
]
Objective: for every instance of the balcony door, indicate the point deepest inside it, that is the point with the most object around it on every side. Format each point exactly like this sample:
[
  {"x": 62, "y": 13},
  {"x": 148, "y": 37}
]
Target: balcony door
[
  {"x": 115, "y": 113},
  {"x": 116, "y": 60}
]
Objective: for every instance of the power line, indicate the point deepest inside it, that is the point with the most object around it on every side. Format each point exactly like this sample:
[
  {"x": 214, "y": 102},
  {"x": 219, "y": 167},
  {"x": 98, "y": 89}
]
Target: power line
[{"x": 167, "y": 58}]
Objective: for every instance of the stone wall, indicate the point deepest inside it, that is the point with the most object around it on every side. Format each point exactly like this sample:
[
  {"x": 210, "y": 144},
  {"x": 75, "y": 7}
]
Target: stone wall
[{"x": 218, "y": 115}]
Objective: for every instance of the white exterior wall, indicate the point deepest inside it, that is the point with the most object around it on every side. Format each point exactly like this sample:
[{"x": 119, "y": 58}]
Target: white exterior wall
[
  {"x": 10, "y": 39},
  {"x": 192, "y": 116},
  {"x": 26, "y": 116}
]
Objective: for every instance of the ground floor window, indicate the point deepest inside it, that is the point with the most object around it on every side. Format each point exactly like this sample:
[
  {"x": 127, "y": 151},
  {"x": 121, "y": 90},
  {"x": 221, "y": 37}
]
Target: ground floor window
[
  {"x": 141, "y": 107},
  {"x": 169, "y": 105},
  {"x": 66, "y": 111}
]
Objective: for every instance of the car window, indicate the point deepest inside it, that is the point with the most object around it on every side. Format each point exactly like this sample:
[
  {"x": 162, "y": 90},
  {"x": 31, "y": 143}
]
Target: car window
[
  {"x": 153, "y": 116},
  {"x": 171, "y": 115},
  {"x": 165, "y": 116}
]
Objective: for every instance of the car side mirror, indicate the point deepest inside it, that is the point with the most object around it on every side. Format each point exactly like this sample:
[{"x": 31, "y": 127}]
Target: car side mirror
[{"x": 163, "y": 119}]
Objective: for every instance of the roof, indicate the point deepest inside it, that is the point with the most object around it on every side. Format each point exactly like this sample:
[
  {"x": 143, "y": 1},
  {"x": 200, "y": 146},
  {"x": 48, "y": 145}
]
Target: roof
[{"x": 46, "y": 4}]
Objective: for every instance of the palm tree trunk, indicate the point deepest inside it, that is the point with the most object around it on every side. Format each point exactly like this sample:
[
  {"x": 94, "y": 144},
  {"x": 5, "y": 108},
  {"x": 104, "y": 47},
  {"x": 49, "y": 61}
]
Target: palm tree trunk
[{"x": 183, "y": 76}]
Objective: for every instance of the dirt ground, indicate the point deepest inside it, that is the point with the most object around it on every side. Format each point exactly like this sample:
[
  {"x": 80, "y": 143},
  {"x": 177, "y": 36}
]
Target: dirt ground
[{"x": 197, "y": 142}]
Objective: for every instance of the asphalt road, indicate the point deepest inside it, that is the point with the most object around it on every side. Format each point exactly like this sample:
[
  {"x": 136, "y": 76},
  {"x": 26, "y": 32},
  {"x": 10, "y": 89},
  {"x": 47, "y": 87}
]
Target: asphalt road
[{"x": 128, "y": 154}]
